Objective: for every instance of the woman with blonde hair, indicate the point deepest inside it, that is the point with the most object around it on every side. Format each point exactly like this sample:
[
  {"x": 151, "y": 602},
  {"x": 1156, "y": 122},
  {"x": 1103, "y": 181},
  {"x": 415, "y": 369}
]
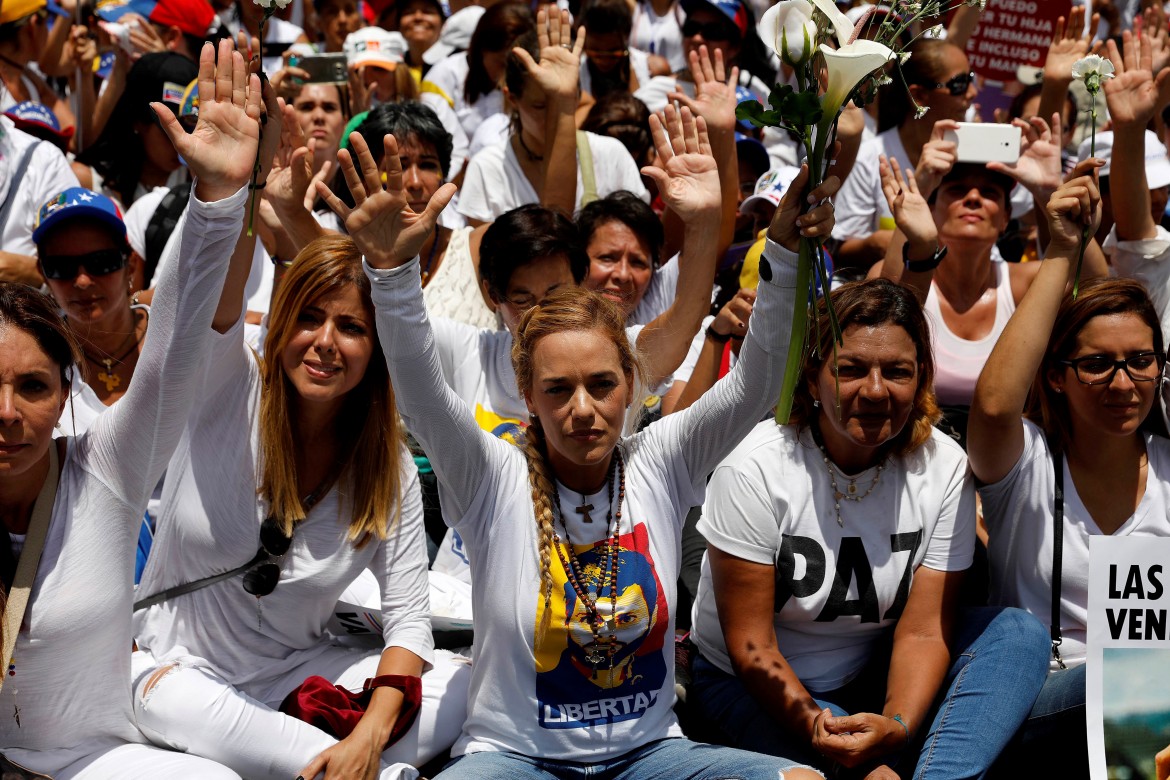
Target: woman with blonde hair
[
  {"x": 239, "y": 590},
  {"x": 574, "y": 542}
]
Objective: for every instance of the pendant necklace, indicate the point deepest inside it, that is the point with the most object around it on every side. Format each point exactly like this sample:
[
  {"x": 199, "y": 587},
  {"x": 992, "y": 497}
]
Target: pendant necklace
[
  {"x": 111, "y": 378},
  {"x": 850, "y": 493}
]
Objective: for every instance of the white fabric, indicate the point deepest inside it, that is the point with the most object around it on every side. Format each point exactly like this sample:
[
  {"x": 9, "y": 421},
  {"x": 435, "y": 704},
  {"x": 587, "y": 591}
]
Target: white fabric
[
  {"x": 958, "y": 361},
  {"x": 1148, "y": 261},
  {"x": 839, "y": 589},
  {"x": 453, "y": 292},
  {"x": 639, "y": 66},
  {"x": 495, "y": 183},
  {"x": 661, "y": 35},
  {"x": 445, "y": 82},
  {"x": 861, "y": 205},
  {"x": 1018, "y": 513},
  {"x": 494, "y": 130},
  {"x": 659, "y": 294},
  {"x": 47, "y": 176},
  {"x": 532, "y": 694},
  {"x": 192, "y": 709},
  {"x": 72, "y": 680}
]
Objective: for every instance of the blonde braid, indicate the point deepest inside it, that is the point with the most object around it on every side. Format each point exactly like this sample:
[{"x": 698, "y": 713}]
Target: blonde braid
[{"x": 542, "y": 490}]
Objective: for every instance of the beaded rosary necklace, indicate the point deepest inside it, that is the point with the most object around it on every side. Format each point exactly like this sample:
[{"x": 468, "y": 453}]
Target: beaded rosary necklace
[
  {"x": 604, "y": 646},
  {"x": 851, "y": 494}
]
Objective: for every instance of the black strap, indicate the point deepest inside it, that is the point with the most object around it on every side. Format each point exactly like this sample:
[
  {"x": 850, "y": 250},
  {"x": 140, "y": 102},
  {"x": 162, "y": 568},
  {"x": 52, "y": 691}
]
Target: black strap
[
  {"x": 191, "y": 587},
  {"x": 162, "y": 224},
  {"x": 14, "y": 183},
  {"x": 1057, "y": 553}
]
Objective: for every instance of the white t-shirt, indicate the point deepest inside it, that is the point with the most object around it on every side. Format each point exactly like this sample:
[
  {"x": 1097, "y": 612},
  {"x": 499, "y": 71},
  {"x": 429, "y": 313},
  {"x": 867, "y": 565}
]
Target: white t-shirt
[
  {"x": 495, "y": 183},
  {"x": 72, "y": 680},
  {"x": 48, "y": 175},
  {"x": 861, "y": 205},
  {"x": 839, "y": 589},
  {"x": 1018, "y": 511},
  {"x": 661, "y": 35},
  {"x": 659, "y": 294},
  {"x": 532, "y": 693},
  {"x": 444, "y": 84}
]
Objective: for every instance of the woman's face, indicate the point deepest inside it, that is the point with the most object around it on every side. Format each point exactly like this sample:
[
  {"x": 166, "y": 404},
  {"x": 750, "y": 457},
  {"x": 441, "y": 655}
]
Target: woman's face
[
  {"x": 420, "y": 23},
  {"x": 318, "y": 108},
  {"x": 422, "y": 174},
  {"x": 330, "y": 348},
  {"x": 606, "y": 51},
  {"x": 940, "y": 101},
  {"x": 32, "y": 397},
  {"x": 87, "y": 298},
  {"x": 580, "y": 394},
  {"x": 530, "y": 284},
  {"x": 494, "y": 62},
  {"x": 708, "y": 26},
  {"x": 970, "y": 208},
  {"x": 619, "y": 265},
  {"x": 1118, "y": 407},
  {"x": 337, "y": 20},
  {"x": 157, "y": 148},
  {"x": 531, "y": 106},
  {"x": 871, "y": 398}
]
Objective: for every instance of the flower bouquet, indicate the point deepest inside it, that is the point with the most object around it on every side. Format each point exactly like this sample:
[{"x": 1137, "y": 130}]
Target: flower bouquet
[
  {"x": 270, "y": 7},
  {"x": 827, "y": 77}
]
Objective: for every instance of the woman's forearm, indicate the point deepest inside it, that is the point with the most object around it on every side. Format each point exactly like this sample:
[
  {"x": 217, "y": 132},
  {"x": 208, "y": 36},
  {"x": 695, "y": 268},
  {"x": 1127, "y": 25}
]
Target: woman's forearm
[
  {"x": 917, "y": 669},
  {"x": 773, "y": 684}
]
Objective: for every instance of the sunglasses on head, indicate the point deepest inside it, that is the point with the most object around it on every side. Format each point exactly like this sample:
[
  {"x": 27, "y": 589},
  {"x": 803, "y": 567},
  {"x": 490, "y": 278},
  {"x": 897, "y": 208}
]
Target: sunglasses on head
[
  {"x": 711, "y": 31},
  {"x": 956, "y": 86},
  {"x": 65, "y": 268},
  {"x": 262, "y": 578}
]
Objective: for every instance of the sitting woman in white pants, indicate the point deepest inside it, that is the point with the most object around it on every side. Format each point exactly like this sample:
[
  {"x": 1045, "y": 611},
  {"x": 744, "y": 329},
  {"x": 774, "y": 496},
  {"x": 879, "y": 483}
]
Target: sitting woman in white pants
[{"x": 294, "y": 476}]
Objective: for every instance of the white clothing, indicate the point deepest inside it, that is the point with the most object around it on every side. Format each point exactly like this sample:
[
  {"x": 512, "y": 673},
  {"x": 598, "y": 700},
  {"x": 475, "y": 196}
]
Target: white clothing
[
  {"x": 839, "y": 589},
  {"x": 958, "y": 361},
  {"x": 48, "y": 175},
  {"x": 495, "y": 183},
  {"x": 659, "y": 294},
  {"x": 1148, "y": 261},
  {"x": 494, "y": 130},
  {"x": 453, "y": 292},
  {"x": 639, "y": 66},
  {"x": 445, "y": 82},
  {"x": 861, "y": 205},
  {"x": 532, "y": 693},
  {"x": 1018, "y": 513},
  {"x": 194, "y": 710},
  {"x": 72, "y": 680},
  {"x": 661, "y": 35}
]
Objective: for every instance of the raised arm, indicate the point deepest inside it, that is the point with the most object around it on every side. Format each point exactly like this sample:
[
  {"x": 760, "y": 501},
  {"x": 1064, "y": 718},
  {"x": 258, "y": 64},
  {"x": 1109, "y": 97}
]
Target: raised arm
[
  {"x": 131, "y": 442},
  {"x": 1069, "y": 43},
  {"x": 389, "y": 234},
  {"x": 915, "y": 237},
  {"x": 995, "y": 432}
]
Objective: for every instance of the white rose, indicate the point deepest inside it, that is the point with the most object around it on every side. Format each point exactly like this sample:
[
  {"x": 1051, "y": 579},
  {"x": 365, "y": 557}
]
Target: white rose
[
  {"x": 789, "y": 28},
  {"x": 265, "y": 4},
  {"x": 1092, "y": 70}
]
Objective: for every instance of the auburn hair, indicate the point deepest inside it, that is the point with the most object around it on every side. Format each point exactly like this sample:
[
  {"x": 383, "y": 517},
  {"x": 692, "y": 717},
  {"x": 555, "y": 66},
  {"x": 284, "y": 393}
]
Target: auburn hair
[
  {"x": 871, "y": 303},
  {"x": 367, "y": 427},
  {"x": 573, "y": 309}
]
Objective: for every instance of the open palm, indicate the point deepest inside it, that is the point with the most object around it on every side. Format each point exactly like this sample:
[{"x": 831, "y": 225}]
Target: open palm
[
  {"x": 911, "y": 211},
  {"x": 1039, "y": 167},
  {"x": 714, "y": 98},
  {"x": 1133, "y": 94},
  {"x": 559, "y": 69},
  {"x": 685, "y": 170}
]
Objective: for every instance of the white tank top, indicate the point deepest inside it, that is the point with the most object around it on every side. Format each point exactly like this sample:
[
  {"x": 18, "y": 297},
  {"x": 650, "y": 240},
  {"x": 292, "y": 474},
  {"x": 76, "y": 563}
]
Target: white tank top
[{"x": 957, "y": 362}]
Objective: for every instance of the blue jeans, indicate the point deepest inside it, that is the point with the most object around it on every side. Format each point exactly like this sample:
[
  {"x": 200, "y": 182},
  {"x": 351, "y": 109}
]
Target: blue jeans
[
  {"x": 999, "y": 667},
  {"x": 665, "y": 759},
  {"x": 1053, "y": 742}
]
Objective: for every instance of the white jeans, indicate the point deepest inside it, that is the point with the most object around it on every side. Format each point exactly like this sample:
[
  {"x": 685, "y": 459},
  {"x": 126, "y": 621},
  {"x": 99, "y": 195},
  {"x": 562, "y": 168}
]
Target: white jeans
[
  {"x": 143, "y": 762},
  {"x": 193, "y": 710}
]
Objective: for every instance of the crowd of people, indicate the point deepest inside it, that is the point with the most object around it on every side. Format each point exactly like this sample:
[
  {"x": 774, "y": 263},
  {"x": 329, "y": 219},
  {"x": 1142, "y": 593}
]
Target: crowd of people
[{"x": 387, "y": 390}]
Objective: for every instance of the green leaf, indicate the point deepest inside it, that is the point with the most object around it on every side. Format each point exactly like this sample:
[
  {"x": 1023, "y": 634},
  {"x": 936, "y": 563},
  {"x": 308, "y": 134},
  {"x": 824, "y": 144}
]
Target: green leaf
[
  {"x": 802, "y": 108},
  {"x": 752, "y": 111},
  {"x": 778, "y": 95}
]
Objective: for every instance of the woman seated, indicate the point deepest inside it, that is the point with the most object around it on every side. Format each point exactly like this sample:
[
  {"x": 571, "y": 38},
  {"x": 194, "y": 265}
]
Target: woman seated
[
  {"x": 1087, "y": 372},
  {"x": 77, "y": 503},
  {"x": 574, "y": 542}
]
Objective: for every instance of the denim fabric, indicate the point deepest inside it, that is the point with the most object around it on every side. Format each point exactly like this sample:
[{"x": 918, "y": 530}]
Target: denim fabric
[
  {"x": 999, "y": 667},
  {"x": 665, "y": 759},
  {"x": 1053, "y": 742}
]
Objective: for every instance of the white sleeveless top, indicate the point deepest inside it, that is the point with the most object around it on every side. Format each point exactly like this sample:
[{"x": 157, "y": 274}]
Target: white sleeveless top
[{"x": 957, "y": 362}]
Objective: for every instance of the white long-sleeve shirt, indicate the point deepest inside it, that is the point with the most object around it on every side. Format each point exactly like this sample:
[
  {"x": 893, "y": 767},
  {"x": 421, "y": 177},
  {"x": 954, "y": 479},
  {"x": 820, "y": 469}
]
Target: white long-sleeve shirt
[
  {"x": 536, "y": 695},
  {"x": 72, "y": 681}
]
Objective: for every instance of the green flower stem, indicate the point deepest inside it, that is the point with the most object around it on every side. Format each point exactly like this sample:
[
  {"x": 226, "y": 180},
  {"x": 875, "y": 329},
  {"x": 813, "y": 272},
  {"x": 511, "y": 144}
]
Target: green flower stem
[
  {"x": 256, "y": 166},
  {"x": 1085, "y": 233},
  {"x": 794, "y": 362}
]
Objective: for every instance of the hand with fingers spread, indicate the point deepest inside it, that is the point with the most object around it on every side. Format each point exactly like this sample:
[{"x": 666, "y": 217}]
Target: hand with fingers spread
[
  {"x": 685, "y": 171},
  {"x": 291, "y": 185},
  {"x": 1134, "y": 95},
  {"x": 1075, "y": 206},
  {"x": 1039, "y": 167},
  {"x": 789, "y": 225},
  {"x": 937, "y": 158},
  {"x": 714, "y": 98},
  {"x": 1150, "y": 26},
  {"x": 911, "y": 211},
  {"x": 559, "y": 70},
  {"x": 382, "y": 224},
  {"x": 1069, "y": 44},
  {"x": 221, "y": 150}
]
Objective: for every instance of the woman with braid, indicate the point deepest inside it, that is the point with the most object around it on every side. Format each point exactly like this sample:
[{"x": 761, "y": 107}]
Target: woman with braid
[{"x": 574, "y": 543}]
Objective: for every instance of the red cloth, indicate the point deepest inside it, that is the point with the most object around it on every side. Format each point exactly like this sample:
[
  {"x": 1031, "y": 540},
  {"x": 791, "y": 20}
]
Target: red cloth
[
  {"x": 336, "y": 710},
  {"x": 191, "y": 16}
]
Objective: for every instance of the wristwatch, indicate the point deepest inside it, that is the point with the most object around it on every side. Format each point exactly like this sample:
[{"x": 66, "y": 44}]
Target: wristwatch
[
  {"x": 718, "y": 338},
  {"x": 922, "y": 266}
]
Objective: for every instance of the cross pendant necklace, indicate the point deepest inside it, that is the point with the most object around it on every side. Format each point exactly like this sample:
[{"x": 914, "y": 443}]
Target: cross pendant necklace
[
  {"x": 584, "y": 510},
  {"x": 111, "y": 379}
]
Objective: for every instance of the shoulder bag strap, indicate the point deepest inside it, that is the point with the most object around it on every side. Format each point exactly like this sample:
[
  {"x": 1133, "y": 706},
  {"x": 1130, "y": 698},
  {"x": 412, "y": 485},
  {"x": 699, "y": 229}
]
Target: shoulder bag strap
[
  {"x": 14, "y": 184},
  {"x": 585, "y": 164},
  {"x": 191, "y": 587},
  {"x": 30, "y": 558},
  {"x": 1057, "y": 553}
]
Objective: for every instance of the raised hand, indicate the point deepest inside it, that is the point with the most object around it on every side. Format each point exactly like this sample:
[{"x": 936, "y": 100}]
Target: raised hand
[
  {"x": 1068, "y": 45},
  {"x": 221, "y": 150},
  {"x": 789, "y": 226},
  {"x": 714, "y": 98},
  {"x": 384, "y": 227},
  {"x": 937, "y": 158},
  {"x": 1150, "y": 27},
  {"x": 1134, "y": 94},
  {"x": 685, "y": 170},
  {"x": 1039, "y": 167},
  {"x": 291, "y": 185},
  {"x": 1075, "y": 205},
  {"x": 911, "y": 211},
  {"x": 559, "y": 71}
]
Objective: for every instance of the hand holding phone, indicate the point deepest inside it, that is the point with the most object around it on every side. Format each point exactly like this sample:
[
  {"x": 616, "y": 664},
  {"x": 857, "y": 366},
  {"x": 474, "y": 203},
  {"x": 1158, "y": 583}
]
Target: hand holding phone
[{"x": 984, "y": 142}]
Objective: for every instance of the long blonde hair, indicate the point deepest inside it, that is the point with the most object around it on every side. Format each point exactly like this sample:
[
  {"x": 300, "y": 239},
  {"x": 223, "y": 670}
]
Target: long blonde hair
[
  {"x": 573, "y": 309},
  {"x": 368, "y": 425}
]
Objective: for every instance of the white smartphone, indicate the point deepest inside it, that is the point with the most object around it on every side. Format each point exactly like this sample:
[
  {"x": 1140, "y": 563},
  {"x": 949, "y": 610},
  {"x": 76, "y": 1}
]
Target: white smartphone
[{"x": 980, "y": 142}]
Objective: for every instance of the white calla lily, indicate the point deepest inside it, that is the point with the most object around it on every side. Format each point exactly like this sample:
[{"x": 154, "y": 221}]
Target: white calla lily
[
  {"x": 847, "y": 67},
  {"x": 843, "y": 29},
  {"x": 789, "y": 29}
]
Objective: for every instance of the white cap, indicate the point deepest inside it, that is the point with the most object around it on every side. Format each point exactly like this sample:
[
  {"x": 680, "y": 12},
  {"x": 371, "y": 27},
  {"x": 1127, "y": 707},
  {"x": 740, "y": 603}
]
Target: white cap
[
  {"x": 456, "y": 34},
  {"x": 375, "y": 46},
  {"x": 771, "y": 186},
  {"x": 1157, "y": 163}
]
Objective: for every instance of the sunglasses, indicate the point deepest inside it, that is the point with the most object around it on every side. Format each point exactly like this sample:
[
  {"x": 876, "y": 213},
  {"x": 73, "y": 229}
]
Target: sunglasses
[
  {"x": 712, "y": 31},
  {"x": 262, "y": 578},
  {"x": 956, "y": 86},
  {"x": 63, "y": 268}
]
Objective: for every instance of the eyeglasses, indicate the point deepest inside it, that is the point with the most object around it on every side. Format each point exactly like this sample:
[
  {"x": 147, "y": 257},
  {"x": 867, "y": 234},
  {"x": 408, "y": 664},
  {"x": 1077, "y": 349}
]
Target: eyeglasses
[
  {"x": 607, "y": 54},
  {"x": 64, "y": 268},
  {"x": 712, "y": 31},
  {"x": 956, "y": 86},
  {"x": 262, "y": 578},
  {"x": 1100, "y": 370}
]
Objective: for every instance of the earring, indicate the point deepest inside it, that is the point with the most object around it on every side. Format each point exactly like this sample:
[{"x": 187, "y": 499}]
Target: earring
[{"x": 816, "y": 404}]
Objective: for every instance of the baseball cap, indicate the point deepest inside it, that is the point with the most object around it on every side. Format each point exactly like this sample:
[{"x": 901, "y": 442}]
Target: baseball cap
[
  {"x": 74, "y": 203},
  {"x": 15, "y": 10},
  {"x": 159, "y": 76},
  {"x": 752, "y": 152},
  {"x": 375, "y": 46},
  {"x": 193, "y": 17},
  {"x": 1157, "y": 164},
  {"x": 770, "y": 187},
  {"x": 734, "y": 10},
  {"x": 36, "y": 119},
  {"x": 455, "y": 35}
]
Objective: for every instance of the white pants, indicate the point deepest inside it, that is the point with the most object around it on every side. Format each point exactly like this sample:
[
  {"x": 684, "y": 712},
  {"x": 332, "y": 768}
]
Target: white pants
[
  {"x": 143, "y": 762},
  {"x": 193, "y": 710}
]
